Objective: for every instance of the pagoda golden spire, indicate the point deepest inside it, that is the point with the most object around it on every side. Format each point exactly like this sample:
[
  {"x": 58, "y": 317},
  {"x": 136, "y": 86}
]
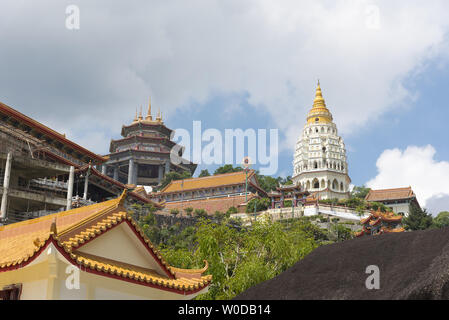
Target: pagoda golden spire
[
  {"x": 135, "y": 118},
  {"x": 319, "y": 100},
  {"x": 149, "y": 117},
  {"x": 319, "y": 112}
]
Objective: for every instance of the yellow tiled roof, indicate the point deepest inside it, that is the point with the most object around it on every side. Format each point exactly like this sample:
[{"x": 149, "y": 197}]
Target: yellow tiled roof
[
  {"x": 390, "y": 194},
  {"x": 19, "y": 242},
  {"x": 208, "y": 182}
]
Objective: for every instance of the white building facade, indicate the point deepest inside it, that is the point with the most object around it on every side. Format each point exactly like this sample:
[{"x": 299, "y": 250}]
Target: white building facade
[{"x": 320, "y": 165}]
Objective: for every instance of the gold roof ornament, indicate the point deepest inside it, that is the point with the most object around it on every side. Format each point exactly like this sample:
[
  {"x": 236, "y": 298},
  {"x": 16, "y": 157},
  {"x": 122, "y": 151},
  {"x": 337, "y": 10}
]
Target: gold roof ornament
[
  {"x": 140, "y": 114},
  {"x": 149, "y": 116},
  {"x": 319, "y": 112},
  {"x": 158, "y": 118}
]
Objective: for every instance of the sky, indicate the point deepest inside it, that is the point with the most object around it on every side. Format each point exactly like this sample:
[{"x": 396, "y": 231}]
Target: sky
[{"x": 383, "y": 68}]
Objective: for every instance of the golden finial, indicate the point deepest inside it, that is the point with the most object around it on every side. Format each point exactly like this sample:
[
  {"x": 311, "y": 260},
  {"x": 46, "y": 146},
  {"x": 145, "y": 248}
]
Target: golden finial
[
  {"x": 135, "y": 118},
  {"x": 319, "y": 100},
  {"x": 53, "y": 229},
  {"x": 158, "y": 118},
  {"x": 149, "y": 117},
  {"x": 140, "y": 114}
]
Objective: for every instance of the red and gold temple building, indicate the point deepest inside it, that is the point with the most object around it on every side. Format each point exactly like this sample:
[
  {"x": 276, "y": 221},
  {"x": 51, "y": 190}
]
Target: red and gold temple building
[{"x": 380, "y": 222}]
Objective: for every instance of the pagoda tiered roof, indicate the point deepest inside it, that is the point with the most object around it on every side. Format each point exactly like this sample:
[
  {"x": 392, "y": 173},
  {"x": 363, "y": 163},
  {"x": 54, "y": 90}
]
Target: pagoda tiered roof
[{"x": 137, "y": 138}]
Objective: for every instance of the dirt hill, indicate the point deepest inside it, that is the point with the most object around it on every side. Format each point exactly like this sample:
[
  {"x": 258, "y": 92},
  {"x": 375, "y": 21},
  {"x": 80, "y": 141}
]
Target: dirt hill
[{"x": 412, "y": 265}]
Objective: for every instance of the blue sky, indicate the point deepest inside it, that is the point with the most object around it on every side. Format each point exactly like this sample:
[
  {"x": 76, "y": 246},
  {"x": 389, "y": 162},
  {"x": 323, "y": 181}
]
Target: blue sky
[{"x": 244, "y": 64}]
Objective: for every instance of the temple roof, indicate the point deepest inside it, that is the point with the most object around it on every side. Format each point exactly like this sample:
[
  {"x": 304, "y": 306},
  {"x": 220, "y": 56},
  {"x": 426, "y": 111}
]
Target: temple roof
[
  {"x": 218, "y": 180},
  {"x": 390, "y": 194},
  {"x": 376, "y": 216},
  {"x": 21, "y": 243},
  {"x": 136, "y": 195},
  {"x": 30, "y": 125}
]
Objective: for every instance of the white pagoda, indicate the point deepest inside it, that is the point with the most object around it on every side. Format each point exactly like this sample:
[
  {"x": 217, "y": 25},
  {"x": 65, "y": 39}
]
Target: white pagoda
[{"x": 320, "y": 164}]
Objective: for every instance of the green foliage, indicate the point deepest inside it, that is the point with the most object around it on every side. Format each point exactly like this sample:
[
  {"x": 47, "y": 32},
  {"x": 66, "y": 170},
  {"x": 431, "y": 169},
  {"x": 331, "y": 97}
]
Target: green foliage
[
  {"x": 227, "y": 168},
  {"x": 288, "y": 203},
  {"x": 441, "y": 220},
  {"x": 200, "y": 213},
  {"x": 261, "y": 204},
  {"x": 219, "y": 215},
  {"x": 231, "y": 210},
  {"x": 418, "y": 219},
  {"x": 188, "y": 211},
  {"x": 341, "y": 232},
  {"x": 171, "y": 176},
  {"x": 267, "y": 183},
  {"x": 204, "y": 173},
  {"x": 378, "y": 206},
  {"x": 286, "y": 181},
  {"x": 360, "y": 192},
  {"x": 239, "y": 260},
  {"x": 174, "y": 211},
  {"x": 238, "y": 257}
]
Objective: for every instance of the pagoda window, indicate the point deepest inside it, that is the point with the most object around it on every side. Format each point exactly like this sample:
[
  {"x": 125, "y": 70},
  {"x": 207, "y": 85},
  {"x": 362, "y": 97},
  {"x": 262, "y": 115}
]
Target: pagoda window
[
  {"x": 335, "y": 185},
  {"x": 341, "y": 186},
  {"x": 316, "y": 184}
]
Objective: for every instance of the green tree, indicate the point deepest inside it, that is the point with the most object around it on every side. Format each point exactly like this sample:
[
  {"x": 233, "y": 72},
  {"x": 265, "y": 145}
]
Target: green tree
[
  {"x": 260, "y": 203},
  {"x": 188, "y": 211},
  {"x": 267, "y": 183},
  {"x": 418, "y": 219},
  {"x": 227, "y": 168},
  {"x": 441, "y": 220},
  {"x": 174, "y": 212},
  {"x": 232, "y": 210},
  {"x": 204, "y": 173},
  {"x": 360, "y": 192},
  {"x": 200, "y": 213},
  {"x": 219, "y": 215},
  {"x": 286, "y": 181}
]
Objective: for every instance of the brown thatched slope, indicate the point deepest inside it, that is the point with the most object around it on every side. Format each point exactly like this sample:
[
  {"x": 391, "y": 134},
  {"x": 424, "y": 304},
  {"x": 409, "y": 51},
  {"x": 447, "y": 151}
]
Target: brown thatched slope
[{"x": 413, "y": 265}]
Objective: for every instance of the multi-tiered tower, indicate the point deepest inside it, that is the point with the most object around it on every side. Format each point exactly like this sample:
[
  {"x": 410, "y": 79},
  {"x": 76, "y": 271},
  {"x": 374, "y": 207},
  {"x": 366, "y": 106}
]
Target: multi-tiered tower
[
  {"x": 146, "y": 153},
  {"x": 320, "y": 164}
]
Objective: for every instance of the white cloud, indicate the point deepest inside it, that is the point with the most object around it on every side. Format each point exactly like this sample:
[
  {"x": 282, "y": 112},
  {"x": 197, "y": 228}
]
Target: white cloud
[
  {"x": 415, "y": 167},
  {"x": 184, "y": 51}
]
